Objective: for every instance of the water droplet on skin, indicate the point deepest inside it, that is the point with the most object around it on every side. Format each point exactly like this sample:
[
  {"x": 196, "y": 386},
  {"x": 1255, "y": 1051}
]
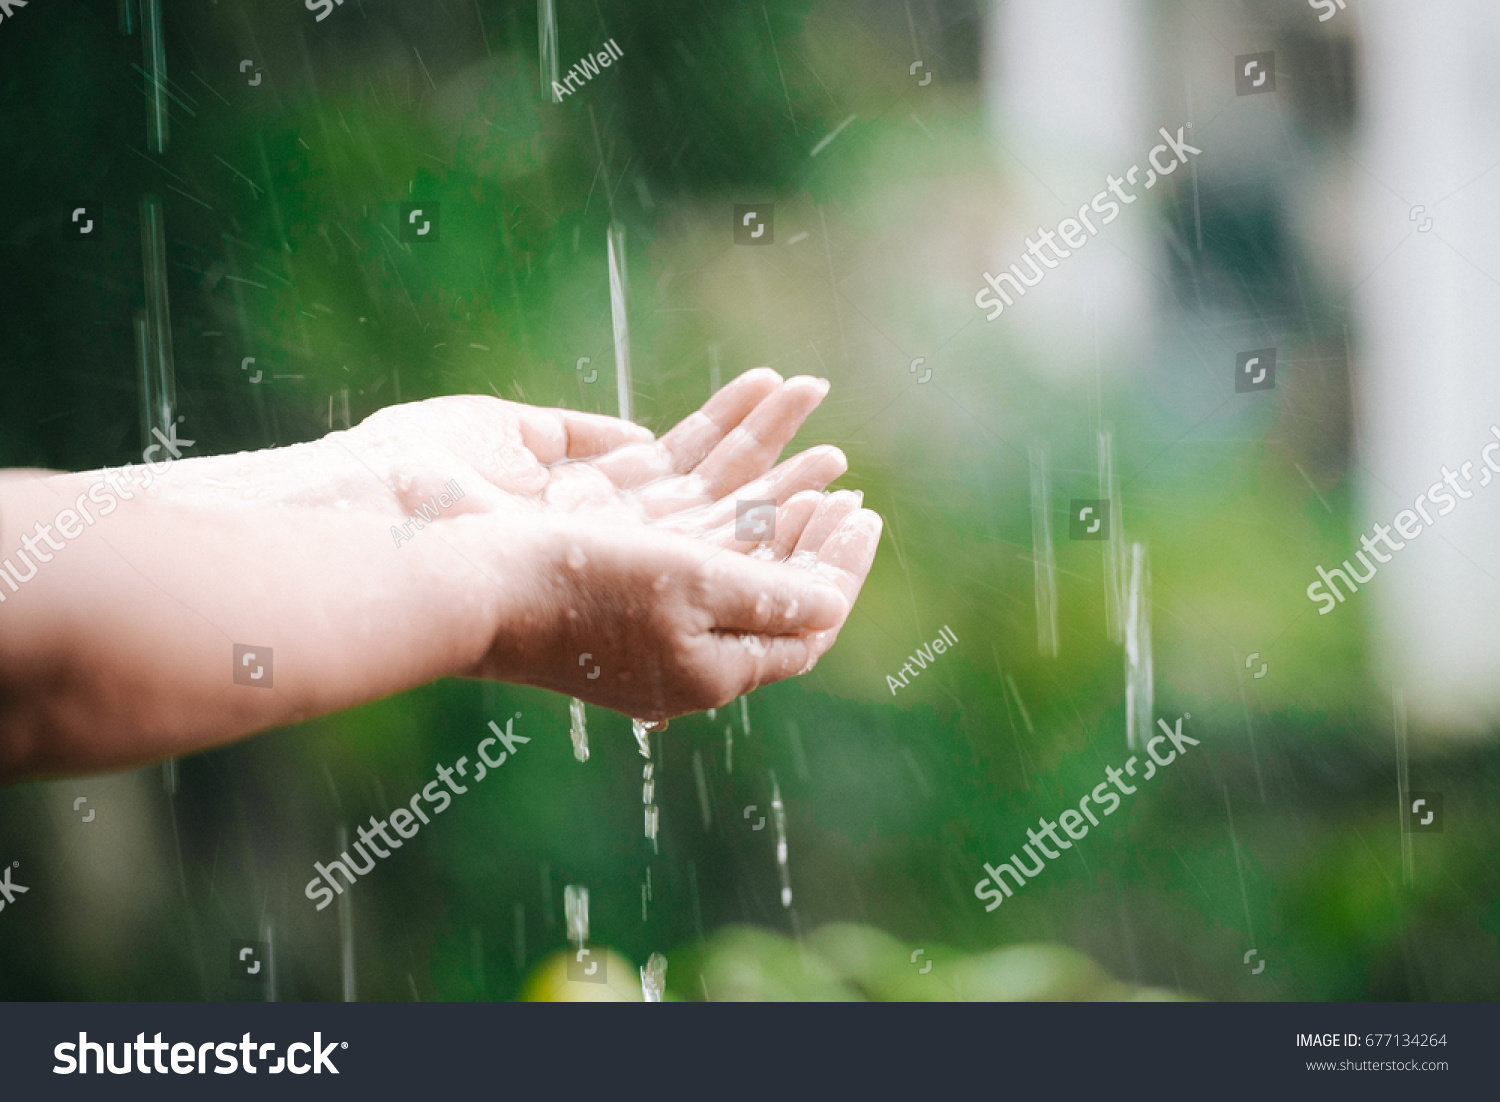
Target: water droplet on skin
[
  {"x": 572, "y": 614},
  {"x": 791, "y": 609},
  {"x": 660, "y": 583},
  {"x": 576, "y": 558},
  {"x": 762, "y": 605}
]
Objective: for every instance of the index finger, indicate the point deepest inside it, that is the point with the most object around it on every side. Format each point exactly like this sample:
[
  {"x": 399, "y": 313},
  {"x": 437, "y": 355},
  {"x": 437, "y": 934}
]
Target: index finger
[{"x": 699, "y": 433}]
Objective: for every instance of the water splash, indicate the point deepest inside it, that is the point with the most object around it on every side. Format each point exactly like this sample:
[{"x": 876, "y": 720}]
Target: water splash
[
  {"x": 617, "y": 285},
  {"x": 648, "y": 799},
  {"x": 652, "y": 813},
  {"x": 654, "y": 978},
  {"x": 1139, "y": 680},
  {"x": 778, "y": 812},
  {"x": 576, "y": 909},
  {"x": 745, "y": 714},
  {"x": 578, "y": 729},
  {"x": 546, "y": 25},
  {"x": 1114, "y": 547},
  {"x": 1043, "y": 561},
  {"x": 729, "y": 749}
]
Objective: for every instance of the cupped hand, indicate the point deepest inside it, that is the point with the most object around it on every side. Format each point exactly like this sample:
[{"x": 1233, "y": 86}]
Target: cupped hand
[{"x": 636, "y": 560}]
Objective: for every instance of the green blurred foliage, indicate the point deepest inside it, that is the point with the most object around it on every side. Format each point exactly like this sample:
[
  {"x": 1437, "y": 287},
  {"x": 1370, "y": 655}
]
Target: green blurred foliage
[{"x": 282, "y": 232}]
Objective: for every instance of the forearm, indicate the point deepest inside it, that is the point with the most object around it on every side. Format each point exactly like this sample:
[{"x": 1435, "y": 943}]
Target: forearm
[{"x": 119, "y": 649}]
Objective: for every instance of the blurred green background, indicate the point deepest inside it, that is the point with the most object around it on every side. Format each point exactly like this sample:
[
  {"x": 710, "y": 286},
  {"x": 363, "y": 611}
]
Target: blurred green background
[{"x": 1280, "y": 833}]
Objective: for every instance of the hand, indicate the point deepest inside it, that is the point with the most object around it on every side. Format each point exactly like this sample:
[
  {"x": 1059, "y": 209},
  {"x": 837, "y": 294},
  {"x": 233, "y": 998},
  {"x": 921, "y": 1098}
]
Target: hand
[{"x": 637, "y": 563}]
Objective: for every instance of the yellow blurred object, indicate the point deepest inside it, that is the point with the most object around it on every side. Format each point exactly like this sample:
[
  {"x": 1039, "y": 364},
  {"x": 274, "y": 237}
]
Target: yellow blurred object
[
  {"x": 846, "y": 961},
  {"x": 549, "y": 981},
  {"x": 841, "y": 962}
]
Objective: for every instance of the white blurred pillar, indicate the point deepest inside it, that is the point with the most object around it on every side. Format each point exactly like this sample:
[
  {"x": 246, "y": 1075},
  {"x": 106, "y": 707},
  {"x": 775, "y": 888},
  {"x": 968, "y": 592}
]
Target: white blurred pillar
[
  {"x": 1426, "y": 383},
  {"x": 1067, "y": 87}
]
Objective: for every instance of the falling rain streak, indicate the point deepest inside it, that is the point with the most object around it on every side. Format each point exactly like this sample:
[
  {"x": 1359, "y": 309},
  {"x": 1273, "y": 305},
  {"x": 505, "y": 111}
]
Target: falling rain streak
[
  {"x": 153, "y": 326},
  {"x": 642, "y": 732},
  {"x": 546, "y": 23},
  {"x": 578, "y": 729},
  {"x": 1114, "y": 546},
  {"x": 778, "y": 813},
  {"x": 1139, "y": 684},
  {"x": 155, "y": 60},
  {"x": 617, "y": 287},
  {"x": 346, "y": 931},
  {"x": 702, "y": 783},
  {"x": 576, "y": 911},
  {"x": 1403, "y": 787},
  {"x": 1044, "y": 562}
]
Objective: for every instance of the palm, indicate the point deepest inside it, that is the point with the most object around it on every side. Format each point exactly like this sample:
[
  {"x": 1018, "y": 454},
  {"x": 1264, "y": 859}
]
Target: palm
[{"x": 560, "y": 462}]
